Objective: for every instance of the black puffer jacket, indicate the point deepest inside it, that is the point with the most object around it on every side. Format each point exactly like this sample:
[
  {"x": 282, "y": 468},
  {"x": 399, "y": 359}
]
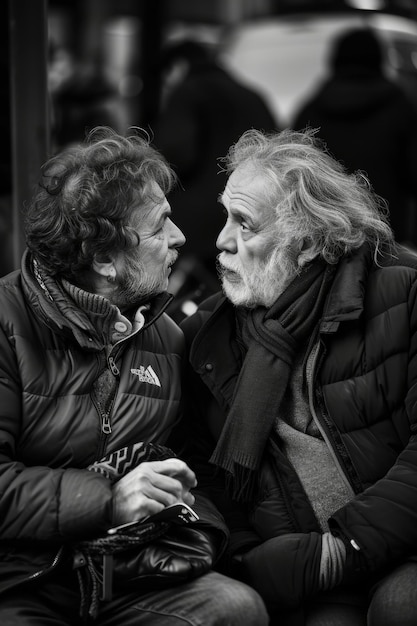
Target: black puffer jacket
[
  {"x": 363, "y": 390},
  {"x": 50, "y": 427}
]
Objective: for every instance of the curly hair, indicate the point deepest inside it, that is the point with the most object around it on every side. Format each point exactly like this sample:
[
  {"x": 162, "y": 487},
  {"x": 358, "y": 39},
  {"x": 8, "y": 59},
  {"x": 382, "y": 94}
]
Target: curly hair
[
  {"x": 82, "y": 208},
  {"x": 312, "y": 193}
]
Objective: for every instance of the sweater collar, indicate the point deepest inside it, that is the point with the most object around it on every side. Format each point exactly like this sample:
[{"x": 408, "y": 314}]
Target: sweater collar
[
  {"x": 91, "y": 319},
  {"x": 110, "y": 324}
]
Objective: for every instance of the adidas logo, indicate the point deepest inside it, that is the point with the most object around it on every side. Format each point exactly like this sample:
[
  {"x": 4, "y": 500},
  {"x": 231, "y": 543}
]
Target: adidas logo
[{"x": 146, "y": 375}]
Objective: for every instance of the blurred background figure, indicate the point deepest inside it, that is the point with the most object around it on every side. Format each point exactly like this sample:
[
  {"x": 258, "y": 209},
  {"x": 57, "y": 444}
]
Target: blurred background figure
[
  {"x": 79, "y": 101},
  {"x": 81, "y": 96},
  {"x": 6, "y": 253},
  {"x": 369, "y": 124},
  {"x": 203, "y": 111}
]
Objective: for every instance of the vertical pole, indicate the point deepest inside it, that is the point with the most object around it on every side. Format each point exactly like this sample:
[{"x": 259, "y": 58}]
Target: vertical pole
[
  {"x": 153, "y": 22},
  {"x": 29, "y": 104}
]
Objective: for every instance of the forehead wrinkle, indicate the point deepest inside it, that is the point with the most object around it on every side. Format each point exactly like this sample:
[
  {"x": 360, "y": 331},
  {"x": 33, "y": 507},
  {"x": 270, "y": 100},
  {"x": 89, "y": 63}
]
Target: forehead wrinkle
[
  {"x": 234, "y": 190},
  {"x": 154, "y": 217},
  {"x": 245, "y": 200},
  {"x": 155, "y": 205}
]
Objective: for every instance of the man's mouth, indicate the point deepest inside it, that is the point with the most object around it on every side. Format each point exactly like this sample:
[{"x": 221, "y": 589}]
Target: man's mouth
[{"x": 229, "y": 274}]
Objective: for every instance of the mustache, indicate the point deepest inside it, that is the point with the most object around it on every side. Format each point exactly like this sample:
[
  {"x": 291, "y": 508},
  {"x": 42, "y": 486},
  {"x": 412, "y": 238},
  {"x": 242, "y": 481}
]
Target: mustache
[
  {"x": 173, "y": 257},
  {"x": 226, "y": 265}
]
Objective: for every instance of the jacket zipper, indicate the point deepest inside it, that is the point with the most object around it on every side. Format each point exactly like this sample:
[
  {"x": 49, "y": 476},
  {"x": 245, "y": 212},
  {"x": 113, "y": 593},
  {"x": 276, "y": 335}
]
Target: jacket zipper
[
  {"x": 314, "y": 354},
  {"x": 50, "y": 567},
  {"x": 106, "y": 428},
  {"x": 39, "y": 573},
  {"x": 105, "y": 418},
  {"x": 113, "y": 367},
  {"x": 345, "y": 477}
]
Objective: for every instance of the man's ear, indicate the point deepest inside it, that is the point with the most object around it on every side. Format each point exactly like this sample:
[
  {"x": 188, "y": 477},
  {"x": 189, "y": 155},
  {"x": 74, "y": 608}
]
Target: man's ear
[
  {"x": 105, "y": 267},
  {"x": 307, "y": 252}
]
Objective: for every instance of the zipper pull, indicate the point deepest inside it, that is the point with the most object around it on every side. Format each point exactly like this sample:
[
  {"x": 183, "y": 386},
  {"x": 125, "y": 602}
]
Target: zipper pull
[
  {"x": 113, "y": 367},
  {"x": 105, "y": 425}
]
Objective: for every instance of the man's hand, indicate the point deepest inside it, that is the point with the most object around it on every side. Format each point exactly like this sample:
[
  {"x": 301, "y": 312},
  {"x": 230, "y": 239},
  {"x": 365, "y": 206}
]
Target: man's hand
[
  {"x": 284, "y": 570},
  {"x": 151, "y": 487}
]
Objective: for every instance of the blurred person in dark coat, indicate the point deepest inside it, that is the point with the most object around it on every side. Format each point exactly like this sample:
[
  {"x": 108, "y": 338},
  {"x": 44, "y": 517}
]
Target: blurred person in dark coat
[
  {"x": 369, "y": 124},
  {"x": 203, "y": 113}
]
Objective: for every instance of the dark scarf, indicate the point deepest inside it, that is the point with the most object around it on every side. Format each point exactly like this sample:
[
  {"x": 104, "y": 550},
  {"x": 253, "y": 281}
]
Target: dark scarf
[{"x": 272, "y": 337}]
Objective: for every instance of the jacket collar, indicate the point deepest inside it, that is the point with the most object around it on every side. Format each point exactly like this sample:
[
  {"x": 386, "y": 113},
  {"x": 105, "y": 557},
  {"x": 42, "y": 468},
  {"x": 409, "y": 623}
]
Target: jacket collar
[
  {"x": 52, "y": 303},
  {"x": 346, "y": 296},
  {"x": 217, "y": 336}
]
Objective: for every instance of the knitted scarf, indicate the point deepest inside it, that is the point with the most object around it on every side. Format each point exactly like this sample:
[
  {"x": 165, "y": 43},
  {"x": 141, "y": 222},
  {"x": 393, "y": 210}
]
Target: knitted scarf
[{"x": 271, "y": 337}]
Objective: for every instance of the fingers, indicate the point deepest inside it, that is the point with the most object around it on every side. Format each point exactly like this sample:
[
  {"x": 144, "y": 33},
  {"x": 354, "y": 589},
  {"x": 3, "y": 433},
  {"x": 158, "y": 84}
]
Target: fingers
[
  {"x": 164, "y": 489},
  {"x": 178, "y": 469},
  {"x": 188, "y": 498},
  {"x": 128, "y": 507},
  {"x": 152, "y": 486},
  {"x": 164, "y": 481}
]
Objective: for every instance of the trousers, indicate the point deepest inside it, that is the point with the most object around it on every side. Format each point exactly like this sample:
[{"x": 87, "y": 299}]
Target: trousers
[
  {"x": 211, "y": 600},
  {"x": 389, "y": 601}
]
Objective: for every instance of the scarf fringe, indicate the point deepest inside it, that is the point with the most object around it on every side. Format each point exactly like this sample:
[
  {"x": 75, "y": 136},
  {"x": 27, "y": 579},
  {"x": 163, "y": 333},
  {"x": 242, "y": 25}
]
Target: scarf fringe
[{"x": 242, "y": 484}]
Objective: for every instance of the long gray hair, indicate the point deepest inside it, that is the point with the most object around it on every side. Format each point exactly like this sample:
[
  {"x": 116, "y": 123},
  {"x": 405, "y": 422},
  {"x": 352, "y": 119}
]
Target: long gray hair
[{"x": 313, "y": 194}]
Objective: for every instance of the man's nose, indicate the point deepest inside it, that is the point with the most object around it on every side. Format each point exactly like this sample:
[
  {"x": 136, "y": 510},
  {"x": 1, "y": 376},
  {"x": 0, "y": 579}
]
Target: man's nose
[
  {"x": 226, "y": 240},
  {"x": 177, "y": 237}
]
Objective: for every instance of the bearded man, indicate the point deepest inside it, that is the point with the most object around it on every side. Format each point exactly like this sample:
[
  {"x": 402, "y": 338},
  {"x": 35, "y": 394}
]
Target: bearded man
[
  {"x": 303, "y": 389},
  {"x": 90, "y": 389}
]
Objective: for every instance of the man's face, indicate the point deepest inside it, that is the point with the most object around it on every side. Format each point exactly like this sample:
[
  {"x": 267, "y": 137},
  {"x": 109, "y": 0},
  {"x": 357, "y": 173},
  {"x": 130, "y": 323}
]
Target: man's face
[
  {"x": 258, "y": 259},
  {"x": 144, "y": 271}
]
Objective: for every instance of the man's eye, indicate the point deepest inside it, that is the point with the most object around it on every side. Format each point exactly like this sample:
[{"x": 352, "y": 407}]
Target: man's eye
[
  {"x": 161, "y": 227},
  {"x": 244, "y": 227}
]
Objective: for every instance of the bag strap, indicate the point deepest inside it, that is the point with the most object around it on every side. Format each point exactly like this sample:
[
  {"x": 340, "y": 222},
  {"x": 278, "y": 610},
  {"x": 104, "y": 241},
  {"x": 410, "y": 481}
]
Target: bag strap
[{"x": 96, "y": 582}]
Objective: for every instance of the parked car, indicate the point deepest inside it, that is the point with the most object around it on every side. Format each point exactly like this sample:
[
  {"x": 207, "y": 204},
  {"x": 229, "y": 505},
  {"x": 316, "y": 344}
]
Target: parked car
[{"x": 286, "y": 57}]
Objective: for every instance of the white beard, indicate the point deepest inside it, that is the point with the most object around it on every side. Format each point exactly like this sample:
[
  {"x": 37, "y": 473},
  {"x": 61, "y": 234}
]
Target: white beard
[{"x": 264, "y": 285}]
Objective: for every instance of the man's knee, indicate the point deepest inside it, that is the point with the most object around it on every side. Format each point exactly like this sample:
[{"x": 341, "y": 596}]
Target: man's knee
[
  {"x": 394, "y": 598},
  {"x": 211, "y": 600},
  {"x": 241, "y": 604}
]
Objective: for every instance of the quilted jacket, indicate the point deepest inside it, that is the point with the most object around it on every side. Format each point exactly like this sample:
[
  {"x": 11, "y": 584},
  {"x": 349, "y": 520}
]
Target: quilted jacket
[
  {"x": 50, "y": 428},
  {"x": 363, "y": 396}
]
